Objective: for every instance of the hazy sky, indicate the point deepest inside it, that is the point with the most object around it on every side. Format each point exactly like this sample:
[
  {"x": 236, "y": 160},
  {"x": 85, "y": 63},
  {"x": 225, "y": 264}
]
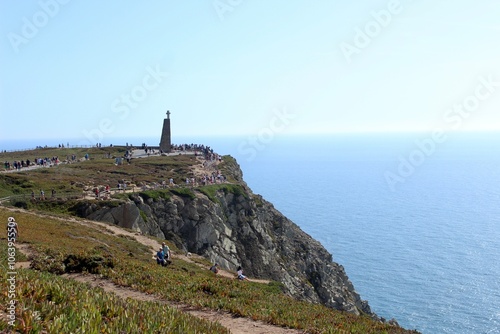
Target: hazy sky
[{"x": 93, "y": 70}]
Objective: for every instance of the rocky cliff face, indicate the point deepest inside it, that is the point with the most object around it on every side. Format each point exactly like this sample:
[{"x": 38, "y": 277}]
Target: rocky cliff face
[{"x": 232, "y": 226}]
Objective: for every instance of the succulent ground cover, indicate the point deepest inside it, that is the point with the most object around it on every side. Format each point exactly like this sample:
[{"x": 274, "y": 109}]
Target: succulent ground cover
[{"x": 67, "y": 246}]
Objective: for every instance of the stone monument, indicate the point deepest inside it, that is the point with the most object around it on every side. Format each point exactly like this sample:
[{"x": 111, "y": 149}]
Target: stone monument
[{"x": 166, "y": 139}]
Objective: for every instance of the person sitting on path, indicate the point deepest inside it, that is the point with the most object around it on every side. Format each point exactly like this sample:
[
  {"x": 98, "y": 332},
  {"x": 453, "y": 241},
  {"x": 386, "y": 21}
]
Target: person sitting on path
[
  {"x": 166, "y": 251},
  {"x": 239, "y": 272},
  {"x": 214, "y": 268},
  {"x": 160, "y": 257}
]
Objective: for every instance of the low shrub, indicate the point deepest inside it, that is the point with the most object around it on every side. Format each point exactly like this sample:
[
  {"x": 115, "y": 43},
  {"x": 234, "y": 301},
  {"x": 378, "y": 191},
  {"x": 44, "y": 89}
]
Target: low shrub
[
  {"x": 184, "y": 192},
  {"x": 56, "y": 262},
  {"x": 155, "y": 195}
]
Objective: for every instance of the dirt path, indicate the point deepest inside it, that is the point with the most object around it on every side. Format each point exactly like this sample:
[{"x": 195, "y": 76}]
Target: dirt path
[
  {"x": 26, "y": 250},
  {"x": 146, "y": 241},
  {"x": 236, "y": 325},
  {"x": 142, "y": 239}
]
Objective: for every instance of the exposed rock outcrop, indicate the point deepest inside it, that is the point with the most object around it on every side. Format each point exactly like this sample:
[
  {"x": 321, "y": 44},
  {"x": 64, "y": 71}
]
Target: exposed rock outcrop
[{"x": 230, "y": 225}]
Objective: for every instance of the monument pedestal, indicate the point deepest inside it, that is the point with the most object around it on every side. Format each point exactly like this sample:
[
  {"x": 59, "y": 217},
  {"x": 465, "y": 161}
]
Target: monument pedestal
[{"x": 166, "y": 139}]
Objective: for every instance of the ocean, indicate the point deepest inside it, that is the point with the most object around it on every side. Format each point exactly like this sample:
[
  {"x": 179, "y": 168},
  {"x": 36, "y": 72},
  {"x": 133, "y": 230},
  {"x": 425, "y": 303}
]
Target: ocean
[
  {"x": 413, "y": 218},
  {"x": 415, "y": 222}
]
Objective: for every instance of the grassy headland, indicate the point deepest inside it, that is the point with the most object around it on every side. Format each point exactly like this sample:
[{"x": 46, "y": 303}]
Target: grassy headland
[{"x": 62, "y": 244}]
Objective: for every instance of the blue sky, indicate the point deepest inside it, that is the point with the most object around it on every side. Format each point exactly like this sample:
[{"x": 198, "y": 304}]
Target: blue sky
[{"x": 88, "y": 71}]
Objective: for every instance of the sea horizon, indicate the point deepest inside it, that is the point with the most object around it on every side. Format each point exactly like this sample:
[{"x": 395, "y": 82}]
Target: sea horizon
[
  {"x": 424, "y": 251},
  {"x": 213, "y": 139}
]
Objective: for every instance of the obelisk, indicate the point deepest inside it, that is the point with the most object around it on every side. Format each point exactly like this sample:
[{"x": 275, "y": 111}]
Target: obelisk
[{"x": 166, "y": 139}]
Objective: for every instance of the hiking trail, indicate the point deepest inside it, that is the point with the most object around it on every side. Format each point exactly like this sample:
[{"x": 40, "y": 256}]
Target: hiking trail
[{"x": 236, "y": 325}]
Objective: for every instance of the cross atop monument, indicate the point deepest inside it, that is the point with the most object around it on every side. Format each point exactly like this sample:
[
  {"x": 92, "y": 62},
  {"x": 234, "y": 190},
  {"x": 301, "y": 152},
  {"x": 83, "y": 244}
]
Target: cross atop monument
[{"x": 168, "y": 114}]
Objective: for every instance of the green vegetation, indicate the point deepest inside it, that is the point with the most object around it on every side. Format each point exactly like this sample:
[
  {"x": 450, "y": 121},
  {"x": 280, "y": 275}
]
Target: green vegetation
[
  {"x": 47, "y": 302},
  {"x": 62, "y": 153},
  {"x": 60, "y": 206},
  {"x": 63, "y": 245},
  {"x": 155, "y": 194},
  {"x": 123, "y": 260},
  {"x": 71, "y": 179},
  {"x": 184, "y": 192},
  {"x": 228, "y": 168},
  {"x": 258, "y": 200},
  {"x": 211, "y": 190},
  {"x": 143, "y": 215}
]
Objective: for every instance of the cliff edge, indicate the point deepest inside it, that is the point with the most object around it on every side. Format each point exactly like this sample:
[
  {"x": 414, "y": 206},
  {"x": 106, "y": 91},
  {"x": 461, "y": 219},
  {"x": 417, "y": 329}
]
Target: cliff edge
[{"x": 229, "y": 224}]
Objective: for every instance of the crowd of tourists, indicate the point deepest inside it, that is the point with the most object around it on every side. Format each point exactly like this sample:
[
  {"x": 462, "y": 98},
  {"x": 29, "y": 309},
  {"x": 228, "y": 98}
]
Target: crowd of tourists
[{"x": 18, "y": 165}]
